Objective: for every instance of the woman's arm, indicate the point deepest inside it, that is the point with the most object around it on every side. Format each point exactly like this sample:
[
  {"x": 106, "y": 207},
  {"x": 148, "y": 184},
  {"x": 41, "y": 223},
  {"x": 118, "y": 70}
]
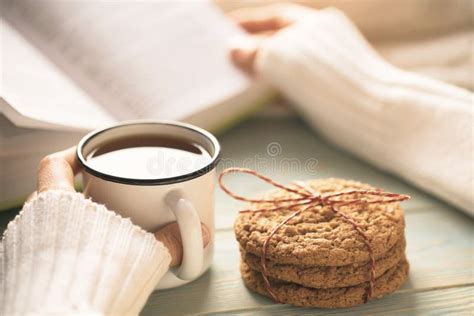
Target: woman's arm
[
  {"x": 413, "y": 126},
  {"x": 64, "y": 254}
]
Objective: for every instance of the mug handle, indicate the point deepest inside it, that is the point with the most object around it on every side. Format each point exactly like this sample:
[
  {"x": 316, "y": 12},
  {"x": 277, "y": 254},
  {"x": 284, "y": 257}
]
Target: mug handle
[{"x": 191, "y": 235}]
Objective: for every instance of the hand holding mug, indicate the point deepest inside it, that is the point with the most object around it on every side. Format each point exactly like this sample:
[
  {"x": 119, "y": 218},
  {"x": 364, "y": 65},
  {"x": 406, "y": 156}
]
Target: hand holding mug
[{"x": 56, "y": 172}]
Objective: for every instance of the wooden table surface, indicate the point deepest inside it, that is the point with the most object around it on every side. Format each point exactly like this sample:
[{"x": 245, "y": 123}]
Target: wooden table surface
[{"x": 439, "y": 238}]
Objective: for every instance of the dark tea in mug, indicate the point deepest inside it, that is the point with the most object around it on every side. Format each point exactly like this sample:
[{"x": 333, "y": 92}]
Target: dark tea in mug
[{"x": 148, "y": 157}]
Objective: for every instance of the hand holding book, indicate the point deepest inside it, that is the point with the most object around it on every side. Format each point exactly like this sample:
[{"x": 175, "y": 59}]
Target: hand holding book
[{"x": 261, "y": 23}]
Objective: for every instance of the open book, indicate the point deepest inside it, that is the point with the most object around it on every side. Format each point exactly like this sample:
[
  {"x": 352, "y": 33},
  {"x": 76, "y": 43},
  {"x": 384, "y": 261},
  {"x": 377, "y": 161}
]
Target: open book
[{"x": 72, "y": 66}]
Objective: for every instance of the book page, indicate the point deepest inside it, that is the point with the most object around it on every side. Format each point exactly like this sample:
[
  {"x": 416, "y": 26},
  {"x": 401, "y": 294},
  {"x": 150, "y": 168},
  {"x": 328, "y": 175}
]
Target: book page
[
  {"x": 42, "y": 95},
  {"x": 153, "y": 59}
]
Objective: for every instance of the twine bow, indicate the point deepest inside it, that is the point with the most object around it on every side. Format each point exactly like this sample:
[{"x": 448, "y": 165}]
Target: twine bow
[{"x": 306, "y": 199}]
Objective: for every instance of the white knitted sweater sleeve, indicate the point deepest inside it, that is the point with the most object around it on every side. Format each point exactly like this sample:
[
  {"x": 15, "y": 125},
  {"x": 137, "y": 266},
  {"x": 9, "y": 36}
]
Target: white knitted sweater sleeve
[
  {"x": 64, "y": 255},
  {"x": 416, "y": 127}
]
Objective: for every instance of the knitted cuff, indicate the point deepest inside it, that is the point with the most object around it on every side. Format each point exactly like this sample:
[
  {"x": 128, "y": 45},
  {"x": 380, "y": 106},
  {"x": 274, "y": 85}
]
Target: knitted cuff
[
  {"x": 65, "y": 254},
  {"x": 333, "y": 76}
]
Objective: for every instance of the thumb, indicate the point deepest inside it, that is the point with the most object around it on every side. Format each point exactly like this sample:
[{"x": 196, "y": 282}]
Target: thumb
[
  {"x": 170, "y": 236},
  {"x": 243, "y": 52},
  {"x": 56, "y": 171}
]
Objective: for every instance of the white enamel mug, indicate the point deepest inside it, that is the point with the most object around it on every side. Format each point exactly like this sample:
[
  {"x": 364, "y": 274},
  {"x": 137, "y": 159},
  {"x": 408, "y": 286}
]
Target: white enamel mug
[{"x": 153, "y": 203}]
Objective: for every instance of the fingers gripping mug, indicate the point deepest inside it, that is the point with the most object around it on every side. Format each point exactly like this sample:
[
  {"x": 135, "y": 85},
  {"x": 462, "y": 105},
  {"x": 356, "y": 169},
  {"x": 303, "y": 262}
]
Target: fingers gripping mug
[{"x": 157, "y": 172}]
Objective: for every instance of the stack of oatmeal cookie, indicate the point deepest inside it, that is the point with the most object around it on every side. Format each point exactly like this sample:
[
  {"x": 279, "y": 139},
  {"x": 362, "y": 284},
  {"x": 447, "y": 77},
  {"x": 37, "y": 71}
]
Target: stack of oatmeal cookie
[{"x": 319, "y": 259}]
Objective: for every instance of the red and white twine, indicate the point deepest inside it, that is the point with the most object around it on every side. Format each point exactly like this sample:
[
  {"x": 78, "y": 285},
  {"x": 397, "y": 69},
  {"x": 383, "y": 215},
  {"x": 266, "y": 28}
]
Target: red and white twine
[{"x": 307, "y": 200}]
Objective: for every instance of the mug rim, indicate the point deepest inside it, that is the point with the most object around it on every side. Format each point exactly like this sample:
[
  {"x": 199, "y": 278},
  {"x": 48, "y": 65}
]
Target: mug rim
[{"x": 157, "y": 181}]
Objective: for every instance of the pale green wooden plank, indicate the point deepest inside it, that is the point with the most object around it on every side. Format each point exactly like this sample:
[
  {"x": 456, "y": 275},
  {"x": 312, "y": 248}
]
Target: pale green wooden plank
[
  {"x": 246, "y": 146},
  {"x": 451, "y": 301},
  {"x": 440, "y": 248}
]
